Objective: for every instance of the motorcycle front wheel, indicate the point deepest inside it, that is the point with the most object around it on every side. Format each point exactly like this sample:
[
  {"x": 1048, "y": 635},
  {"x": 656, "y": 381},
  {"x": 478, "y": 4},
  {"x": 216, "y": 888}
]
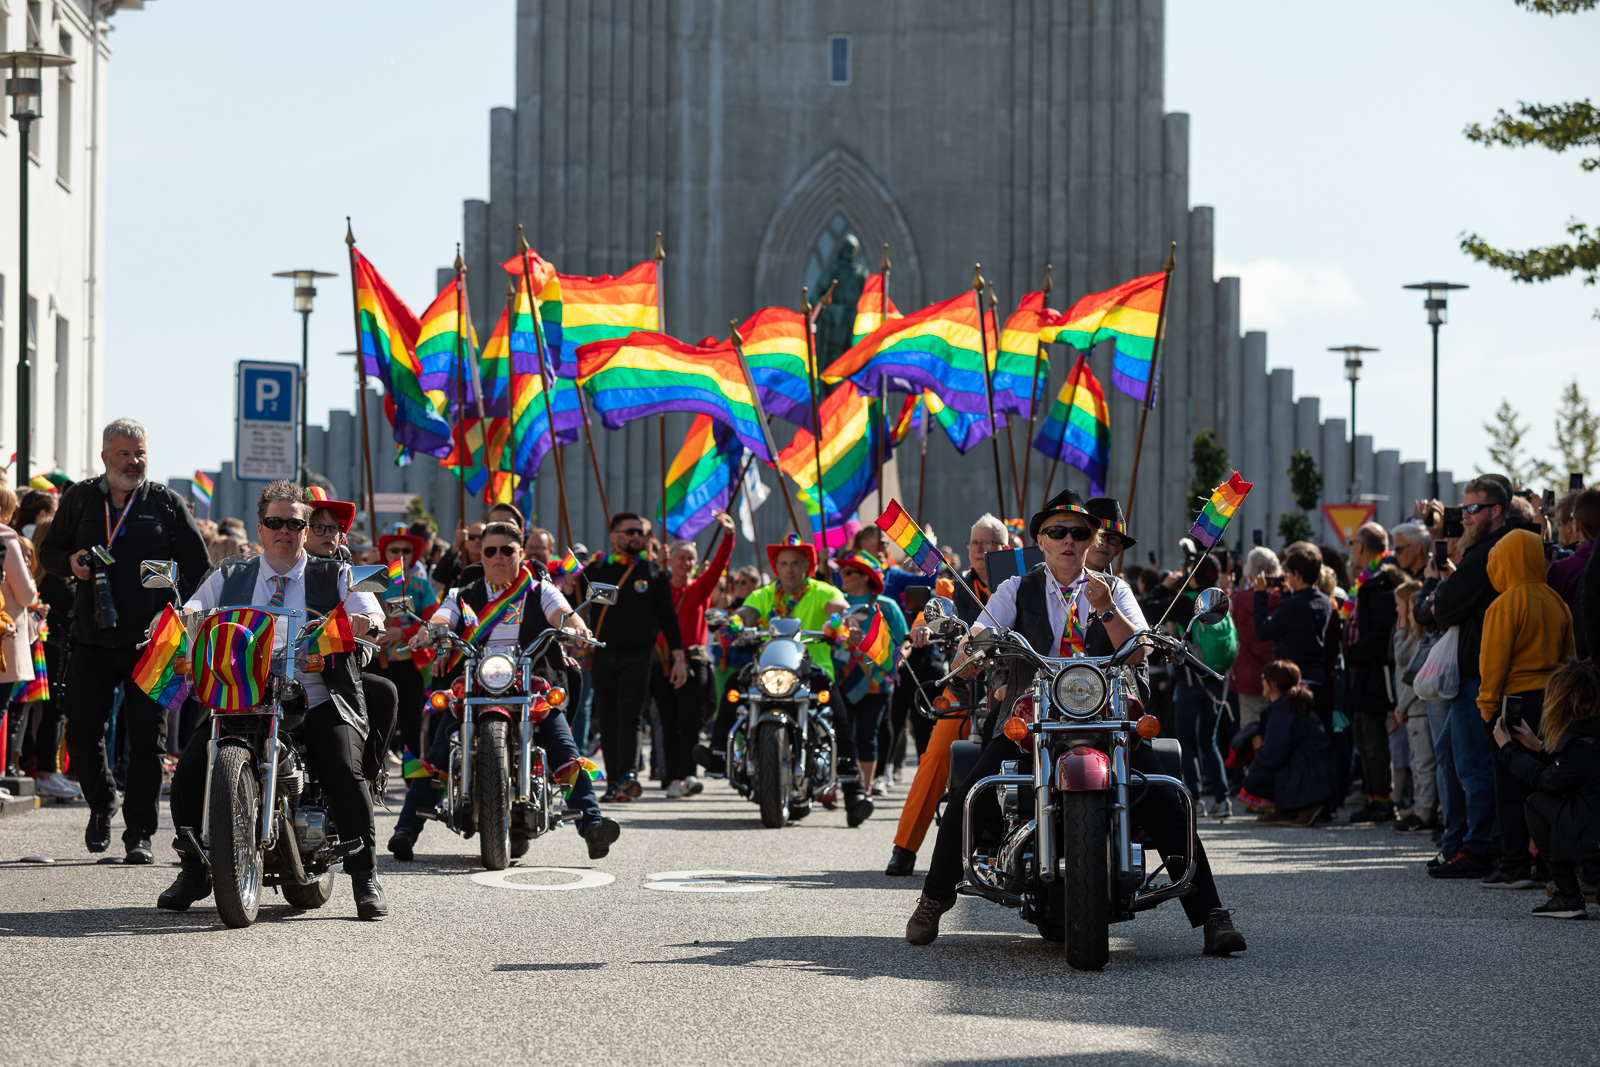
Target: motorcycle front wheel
[
  {"x": 309, "y": 897},
  {"x": 491, "y": 802},
  {"x": 1086, "y": 846},
  {"x": 235, "y": 852},
  {"x": 773, "y": 774}
]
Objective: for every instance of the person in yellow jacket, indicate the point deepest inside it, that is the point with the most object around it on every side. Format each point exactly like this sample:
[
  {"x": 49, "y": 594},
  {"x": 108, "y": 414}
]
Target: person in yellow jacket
[{"x": 1527, "y": 634}]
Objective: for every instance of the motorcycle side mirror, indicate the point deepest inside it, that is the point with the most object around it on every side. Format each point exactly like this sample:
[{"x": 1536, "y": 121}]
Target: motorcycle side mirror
[
  {"x": 938, "y": 614},
  {"x": 716, "y": 618},
  {"x": 158, "y": 574},
  {"x": 861, "y": 612},
  {"x": 1211, "y": 606},
  {"x": 399, "y": 607},
  {"x": 602, "y": 594},
  {"x": 369, "y": 578}
]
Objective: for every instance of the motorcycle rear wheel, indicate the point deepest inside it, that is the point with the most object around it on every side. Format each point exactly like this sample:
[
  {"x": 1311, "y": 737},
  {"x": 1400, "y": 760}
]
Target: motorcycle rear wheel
[
  {"x": 235, "y": 851},
  {"x": 1086, "y": 845},
  {"x": 773, "y": 774},
  {"x": 491, "y": 804},
  {"x": 309, "y": 897}
]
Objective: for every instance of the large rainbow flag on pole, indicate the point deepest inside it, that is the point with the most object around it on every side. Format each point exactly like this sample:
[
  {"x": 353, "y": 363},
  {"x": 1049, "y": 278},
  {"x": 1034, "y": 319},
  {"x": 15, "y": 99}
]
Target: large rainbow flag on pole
[
  {"x": 1017, "y": 361},
  {"x": 577, "y": 310},
  {"x": 700, "y": 479},
  {"x": 446, "y": 345},
  {"x": 849, "y": 457},
  {"x": 775, "y": 350},
  {"x": 388, "y": 332},
  {"x": 1077, "y": 431},
  {"x": 649, "y": 373},
  {"x": 1127, "y": 315},
  {"x": 1219, "y": 510},
  {"x": 938, "y": 349},
  {"x": 873, "y": 309}
]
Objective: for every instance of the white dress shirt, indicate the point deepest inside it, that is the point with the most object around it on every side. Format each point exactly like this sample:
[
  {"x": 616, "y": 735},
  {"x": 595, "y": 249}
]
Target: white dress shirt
[
  {"x": 551, "y": 602},
  {"x": 1002, "y": 607},
  {"x": 208, "y": 596}
]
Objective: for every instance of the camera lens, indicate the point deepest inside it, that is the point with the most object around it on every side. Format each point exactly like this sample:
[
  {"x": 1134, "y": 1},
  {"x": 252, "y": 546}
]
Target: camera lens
[{"x": 105, "y": 607}]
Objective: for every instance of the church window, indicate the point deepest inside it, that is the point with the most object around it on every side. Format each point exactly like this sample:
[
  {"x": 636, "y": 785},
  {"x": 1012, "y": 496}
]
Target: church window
[
  {"x": 838, "y": 61},
  {"x": 823, "y": 251}
]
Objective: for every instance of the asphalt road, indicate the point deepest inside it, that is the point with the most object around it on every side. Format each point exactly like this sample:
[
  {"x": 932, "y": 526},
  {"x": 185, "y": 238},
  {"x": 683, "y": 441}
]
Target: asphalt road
[{"x": 1355, "y": 957}]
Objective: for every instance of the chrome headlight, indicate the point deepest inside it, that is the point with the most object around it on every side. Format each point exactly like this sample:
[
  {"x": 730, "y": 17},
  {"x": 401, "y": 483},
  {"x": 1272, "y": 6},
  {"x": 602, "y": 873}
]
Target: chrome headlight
[
  {"x": 777, "y": 681},
  {"x": 495, "y": 673},
  {"x": 1079, "y": 691}
]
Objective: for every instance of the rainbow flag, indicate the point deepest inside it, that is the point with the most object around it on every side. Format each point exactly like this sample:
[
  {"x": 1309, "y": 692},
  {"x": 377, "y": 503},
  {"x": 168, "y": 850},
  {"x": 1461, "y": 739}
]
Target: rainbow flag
[
  {"x": 333, "y": 634},
  {"x": 875, "y": 647},
  {"x": 1127, "y": 315},
  {"x": 446, "y": 345},
  {"x": 649, "y": 373},
  {"x": 938, "y": 349},
  {"x": 1017, "y": 363},
  {"x": 412, "y": 766},
  {"x": 200, "y": 487},
  {"x": 701, "y": 478},
  {"x": 388, "y": 331},
  {"x": 849, "y": 456},
  {"x": 906, "y": 421},
  {"x": 1078, "y": 429},
  {"x": 397, "y": 573},
  {"x": 37, "y": 690},
  {"x": 158, "y": 672},
  {"x": 568, "y": 564},
  {"x": 775, "y": 351},
  {"x": 577, "y": 310},
  {"x": 1015, "y": 527},
  {"x": 964, "y": 428},
  {"x": 870, "y": 309},
  {"x": 921, "y": 553},
  {"x": 1214, "y": 518},
  {"x": 566, "y": 775}
]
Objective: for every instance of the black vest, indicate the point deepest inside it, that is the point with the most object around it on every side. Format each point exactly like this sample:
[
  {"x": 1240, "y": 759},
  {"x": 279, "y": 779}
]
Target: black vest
[
  {"x": 342, "y": 671},
  {"x": 1033, "y": 619},
  {"x": 550, "y": 666}
]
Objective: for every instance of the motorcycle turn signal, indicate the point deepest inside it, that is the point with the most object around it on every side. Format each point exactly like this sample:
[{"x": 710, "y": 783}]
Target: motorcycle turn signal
[
  {"x": 824, "y": 696},
  {"x": 1148, "y": 727},
  {"x": 439, "y": 700},
  {"x": 733, "y": 696},
  {"x": 556, "y": 697}
]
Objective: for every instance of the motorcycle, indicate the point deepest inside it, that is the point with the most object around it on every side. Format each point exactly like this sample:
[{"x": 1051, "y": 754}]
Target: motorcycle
[
  {"x": 266, "y": 823},
  {"x": 782, "y": 752},
  {"x": 498, "y": 783},
  {"x": 1066, "y": 853}
]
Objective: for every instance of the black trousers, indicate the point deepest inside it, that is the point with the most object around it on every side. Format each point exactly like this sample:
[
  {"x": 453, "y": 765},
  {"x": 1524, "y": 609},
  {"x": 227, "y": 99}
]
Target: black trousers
[
  {"x": 681, "y": 711},
  {"x": 1160, "y": 814},
  {"x": 93, "y": 675},
  {"x": 1370, "y": 732},
  {"x": 1540, "y": 812},
  {"x": 333, "y": 755},
  {"x": 1511, "y": 793},
  {"x": 407, "y": 681},
  {"x": 621, "y": 689},
  {"x": 383, "y": 706}
]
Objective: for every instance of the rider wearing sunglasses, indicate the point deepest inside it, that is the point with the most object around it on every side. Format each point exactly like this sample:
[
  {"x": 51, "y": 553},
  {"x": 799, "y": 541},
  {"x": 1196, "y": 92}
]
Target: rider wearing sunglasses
[{"x": 1061, "y": 609}]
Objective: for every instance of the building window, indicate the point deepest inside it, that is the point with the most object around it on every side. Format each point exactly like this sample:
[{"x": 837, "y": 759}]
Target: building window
[
  {"x": 63, "y": 391},
  {"x": 35, "y": 34},
  {"x": 63, "y": 117},
  {"x": 823, "y": 251},
  {"x": 838, "y": 61}
]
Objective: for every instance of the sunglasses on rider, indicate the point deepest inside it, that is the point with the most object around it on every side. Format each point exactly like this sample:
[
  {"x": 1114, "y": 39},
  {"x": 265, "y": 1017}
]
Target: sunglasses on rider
[
  {"x": 1077, "y": 533},
  {"x": 1473, "y": 509},
  {"x": 325, "y": 529},
  {"x": 491, "y": 551},
  {"x": 273, "y": 522}
]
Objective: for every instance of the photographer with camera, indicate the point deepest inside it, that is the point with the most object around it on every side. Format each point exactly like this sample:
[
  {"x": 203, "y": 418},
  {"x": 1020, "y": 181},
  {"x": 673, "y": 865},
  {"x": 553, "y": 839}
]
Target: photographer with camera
[{"x": 104, "y": 528}]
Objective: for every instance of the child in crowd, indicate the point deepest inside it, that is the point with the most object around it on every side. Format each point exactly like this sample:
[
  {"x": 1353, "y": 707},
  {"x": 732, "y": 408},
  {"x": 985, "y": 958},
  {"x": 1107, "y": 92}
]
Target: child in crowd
[
  {"x": 1412, "y": 713},
  {"x": 1560, "y": 766},
  {"x": 1293, "y": 775}
]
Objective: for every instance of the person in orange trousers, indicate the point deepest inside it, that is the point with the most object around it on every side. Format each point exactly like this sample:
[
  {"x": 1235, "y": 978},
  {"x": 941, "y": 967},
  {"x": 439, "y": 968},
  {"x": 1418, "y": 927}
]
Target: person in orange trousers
[{"x": 933, "y": 765}]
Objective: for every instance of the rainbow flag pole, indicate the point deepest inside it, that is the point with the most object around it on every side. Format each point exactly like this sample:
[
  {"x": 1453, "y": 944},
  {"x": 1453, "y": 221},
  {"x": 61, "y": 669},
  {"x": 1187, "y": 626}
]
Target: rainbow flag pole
[
  {"x": 660, "y": 257},
  {"x": 811, "y": 314},
  {"x": 988, "y": 383},
  {"x": 1033, "y": 406},
  {"x": 884, "y": 267},
  {"x": 766, "y": 431},
  {"x": 545, "y": 390},
  {"x": 1213, "y": 520},
  {"x": 1150, "y": 386},
  {"x": 361, "y": 380}
]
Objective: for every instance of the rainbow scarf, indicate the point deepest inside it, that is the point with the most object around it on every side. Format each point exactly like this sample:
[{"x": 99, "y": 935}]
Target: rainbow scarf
[
  {"x": 1348, "y": 608},
  {"x": 494, "y": 613}
]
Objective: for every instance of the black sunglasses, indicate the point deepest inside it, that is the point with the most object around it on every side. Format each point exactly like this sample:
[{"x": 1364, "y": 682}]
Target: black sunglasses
[
  {"x": 491, "y": 551},
  {"x": 634, "y": 532},
  {"x": 1473, "y": 509},
  {"x": 404, "y": 550},
  {"x": 1056, "y": 533},
  {"x": 474, "y": 537},
  {"x": 273, "y": 522}
]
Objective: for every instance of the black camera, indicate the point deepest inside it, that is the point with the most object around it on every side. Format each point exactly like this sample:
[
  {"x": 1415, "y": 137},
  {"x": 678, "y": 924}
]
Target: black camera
[{"x": 105, "y": 605}]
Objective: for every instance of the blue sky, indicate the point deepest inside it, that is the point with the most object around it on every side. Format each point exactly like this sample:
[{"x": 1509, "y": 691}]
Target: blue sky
[{"x": 1328, "y": 138}]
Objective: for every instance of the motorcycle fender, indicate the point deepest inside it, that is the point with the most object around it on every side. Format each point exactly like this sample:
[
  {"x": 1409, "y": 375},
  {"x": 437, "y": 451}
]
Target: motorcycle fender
[
  {"x": 773, "y": 716},
  {"x": 492, "y": 711},
  {"x": 1083, "y": 769}
]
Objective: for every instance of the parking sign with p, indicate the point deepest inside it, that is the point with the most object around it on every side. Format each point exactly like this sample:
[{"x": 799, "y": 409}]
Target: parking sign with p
[{"x": 267, "y": 418}]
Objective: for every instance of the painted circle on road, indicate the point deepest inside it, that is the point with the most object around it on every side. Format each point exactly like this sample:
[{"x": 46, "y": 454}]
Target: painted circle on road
[
  {"x": 586, "y": 879},
  {"x": 705, "y": 882}
]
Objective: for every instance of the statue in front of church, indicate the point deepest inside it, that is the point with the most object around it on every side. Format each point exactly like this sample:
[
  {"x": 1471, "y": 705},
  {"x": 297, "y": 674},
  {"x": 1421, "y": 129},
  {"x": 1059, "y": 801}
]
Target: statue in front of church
[{"x": 836, "y": 324}]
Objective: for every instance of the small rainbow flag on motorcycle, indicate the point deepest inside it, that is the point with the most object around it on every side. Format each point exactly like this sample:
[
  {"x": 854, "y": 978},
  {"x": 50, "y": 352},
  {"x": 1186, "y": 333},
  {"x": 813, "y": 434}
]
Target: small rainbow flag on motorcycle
[
  {"x": 333, "y": 634},
  {"x": 875, "y": 645},
  {"x": 159, "y": 671},
  {"x": 1219, "y": 510},
  {"x": 566, "y": 775},
  {"x": 568, "y": 565},
  {"x": 411, "y": 766},
  {"x": 902, "y": 529},
  {"x": 397, "y": 573}
]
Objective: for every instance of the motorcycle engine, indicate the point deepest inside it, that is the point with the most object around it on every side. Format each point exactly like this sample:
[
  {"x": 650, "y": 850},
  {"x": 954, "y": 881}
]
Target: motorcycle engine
[{"x": 310, "y": 829}]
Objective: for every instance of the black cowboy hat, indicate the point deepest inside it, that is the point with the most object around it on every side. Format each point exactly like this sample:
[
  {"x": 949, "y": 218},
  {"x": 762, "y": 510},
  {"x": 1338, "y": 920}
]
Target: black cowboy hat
[
  {"x": 1065, "y": 502},
  {"x": 1108, "y": 509}
]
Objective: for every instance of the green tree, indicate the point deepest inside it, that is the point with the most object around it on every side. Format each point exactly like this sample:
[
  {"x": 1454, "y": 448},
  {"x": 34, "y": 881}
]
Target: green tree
[
  {"x": 1294, "y": 527},
  {"x": 1305, "y": 482},
  {"x": 1577, "y": 433},
  {"x": 1209, "y": 464},
  {"x": 1506, "y": 450},
  {"x": 1556, "y": 127}
]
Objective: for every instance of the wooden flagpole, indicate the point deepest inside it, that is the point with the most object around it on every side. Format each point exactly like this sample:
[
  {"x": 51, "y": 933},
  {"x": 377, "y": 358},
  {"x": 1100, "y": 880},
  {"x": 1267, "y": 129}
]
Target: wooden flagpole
[
  {"x": 565, "y": 524},
  {"x": 922, "y": 464},
  {"x": 761, "y": 417},
  {"x": 988, "y": 384},
  {"x": 1033, "y": 404},
  {"x": 884, "y": 267},
  {"x": 812, "y": 372},
  {"x": 660, "y": 257},
  {"x": 361, "y": 378},
  {"x": 1011, "y": 444},
  {"x": 1155, "y": 368},
  {"x": 461, "y": 387},
  {"x": 489, "y": 493}
]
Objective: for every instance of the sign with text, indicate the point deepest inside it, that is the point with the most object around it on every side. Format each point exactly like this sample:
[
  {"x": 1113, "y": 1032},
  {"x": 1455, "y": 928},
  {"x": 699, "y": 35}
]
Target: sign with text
[
  {"x": 266, "y": 441},
  {"x": 392, "y": 503},
  {"x": 1347, "y": 518}
]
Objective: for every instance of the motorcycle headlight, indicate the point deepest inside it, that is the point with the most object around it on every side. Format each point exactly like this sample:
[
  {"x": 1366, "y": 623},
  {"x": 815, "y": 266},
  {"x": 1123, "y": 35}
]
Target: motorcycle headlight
[
  {"x": 495, "y": 673},
  {"x": 777, "y": 681},
  {"x": 1079, "y": 691}
]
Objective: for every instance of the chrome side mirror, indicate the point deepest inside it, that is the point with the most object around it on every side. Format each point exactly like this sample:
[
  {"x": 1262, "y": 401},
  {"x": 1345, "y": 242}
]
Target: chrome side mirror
[
  {"x": 602, "y": 594},
  {"x": 716, "y": 618},
  {"x": 939, "y": 613},
  {"x": 861, "y": 612},
  {"x": 399, "y": 607},
  {"x": 158, "y": 574},
  {"x": 1211, "y": 606},
  {"x": 369, "y": 578}
]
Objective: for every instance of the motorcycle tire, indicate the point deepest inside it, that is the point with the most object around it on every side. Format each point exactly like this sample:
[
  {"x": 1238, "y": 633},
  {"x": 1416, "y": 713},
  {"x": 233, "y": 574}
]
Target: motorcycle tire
[
  {"x": 773, "y": 774},
  {"x": 491, "y": 801},
  {"x": 312, "y": 896},
  {"x": 1086, "y": 844},
  {"x": 236, "y": 859}
]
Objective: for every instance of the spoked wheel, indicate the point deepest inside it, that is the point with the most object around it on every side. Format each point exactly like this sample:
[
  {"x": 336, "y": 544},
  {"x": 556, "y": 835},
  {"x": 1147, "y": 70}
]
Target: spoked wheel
[
  {"x": 314, "y": 895},
  {"x": 491, "y": 802},
  {"x": 774, "y": 774},
  {"x": 1086, "y": 845},
  {"x": 235, "y": 850}
]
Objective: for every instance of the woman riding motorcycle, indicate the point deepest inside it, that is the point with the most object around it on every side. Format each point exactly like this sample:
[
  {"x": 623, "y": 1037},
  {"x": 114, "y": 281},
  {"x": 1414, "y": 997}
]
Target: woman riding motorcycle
[{"x": 1061, "y": 609}]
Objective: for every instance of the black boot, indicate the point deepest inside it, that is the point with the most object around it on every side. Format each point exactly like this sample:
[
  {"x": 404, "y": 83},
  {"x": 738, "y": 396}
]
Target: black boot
[
  {"x": 369, "y": 895},
  {"x": 97, "y": 836},
  {"x": 1221, "y": 937},
  {"x": 193, "y": 883},
  {"x": 713, "y": 762},
  {"x": 901, "y": 863},
  {"x": 601, "y": 836},
  {"x": 400, "y": 844}
]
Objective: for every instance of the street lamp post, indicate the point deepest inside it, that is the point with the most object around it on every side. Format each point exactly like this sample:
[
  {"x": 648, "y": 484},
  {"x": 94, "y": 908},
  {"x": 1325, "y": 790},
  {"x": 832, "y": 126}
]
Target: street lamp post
[
  {"x": 26, "y": 89},
  {"x": 305, "y": 290},
  {"x": 1435, "y": 305},
  {"x": 1352, "y": 371}
]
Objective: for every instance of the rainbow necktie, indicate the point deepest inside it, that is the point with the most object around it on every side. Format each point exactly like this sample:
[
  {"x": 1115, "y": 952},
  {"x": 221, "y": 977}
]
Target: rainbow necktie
[{"x": 277, "y": 594}]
